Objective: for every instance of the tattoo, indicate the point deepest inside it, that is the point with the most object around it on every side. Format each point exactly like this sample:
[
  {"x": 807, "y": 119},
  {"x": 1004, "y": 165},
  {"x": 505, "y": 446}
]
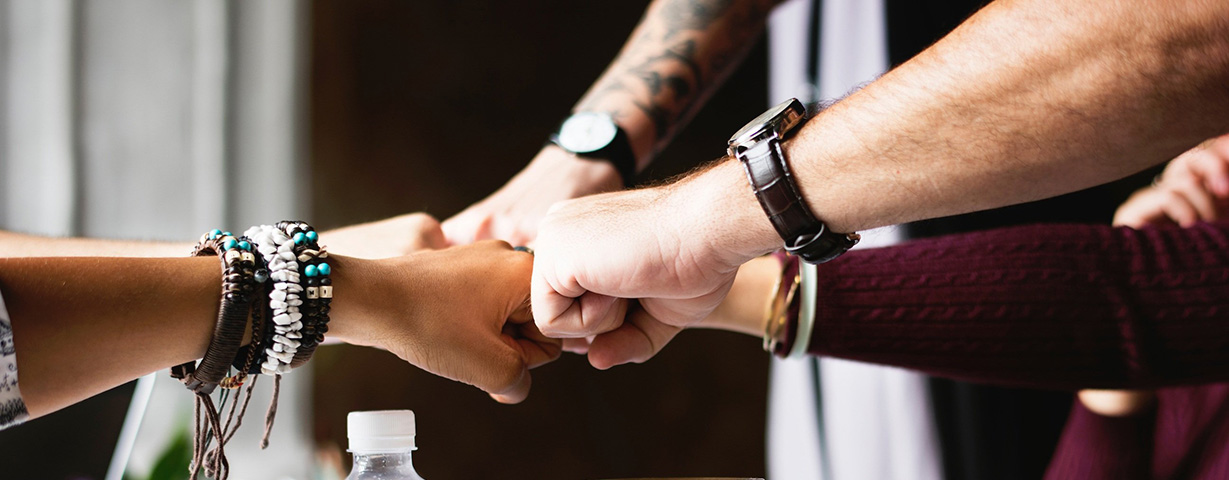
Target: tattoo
[{"x": 681, "y": 49}]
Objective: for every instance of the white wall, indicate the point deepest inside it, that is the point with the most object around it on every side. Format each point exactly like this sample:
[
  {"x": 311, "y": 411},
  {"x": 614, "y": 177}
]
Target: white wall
[{"x": 155, "y": 119}]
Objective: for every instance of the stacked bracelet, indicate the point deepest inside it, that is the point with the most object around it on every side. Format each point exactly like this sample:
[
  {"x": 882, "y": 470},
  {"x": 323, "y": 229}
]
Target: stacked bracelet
[
  {"x": 239, "y": 267},
  {"x": 300, "y": 298},
  {"x": 317, "y": 288},
  {"x": 284, "y": 299}
]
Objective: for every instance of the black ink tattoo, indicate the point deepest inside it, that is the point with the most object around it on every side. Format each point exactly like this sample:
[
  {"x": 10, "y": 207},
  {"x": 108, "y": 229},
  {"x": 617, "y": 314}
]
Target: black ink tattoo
[{"x": 679, "y": 53}]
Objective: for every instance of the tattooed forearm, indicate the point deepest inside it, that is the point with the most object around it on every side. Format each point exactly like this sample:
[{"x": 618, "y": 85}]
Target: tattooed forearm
[{"x": 679, "y": 53}]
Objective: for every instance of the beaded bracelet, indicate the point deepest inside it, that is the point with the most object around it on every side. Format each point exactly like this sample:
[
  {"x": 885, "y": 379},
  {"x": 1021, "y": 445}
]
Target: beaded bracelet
[
  {"x": 238, "y": 285},
  {"x": 284, "y": 299},
  {"x": 317, "y": 286},
  {"x": 301, "y": 296}
]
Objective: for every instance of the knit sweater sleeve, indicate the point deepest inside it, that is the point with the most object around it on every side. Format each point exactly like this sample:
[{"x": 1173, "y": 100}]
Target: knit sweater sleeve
[{"x": 1051, "y": 306}]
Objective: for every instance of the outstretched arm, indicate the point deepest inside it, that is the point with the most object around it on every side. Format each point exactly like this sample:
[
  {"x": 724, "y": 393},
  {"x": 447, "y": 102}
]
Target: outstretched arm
[
  {"x": 678, "y": 55},
  {"x": 84, "y": 325},
  {"x": 1027, "y": 99},
  {"x": 1050, "y": 306},
  {"x": 391, "y": 237}
]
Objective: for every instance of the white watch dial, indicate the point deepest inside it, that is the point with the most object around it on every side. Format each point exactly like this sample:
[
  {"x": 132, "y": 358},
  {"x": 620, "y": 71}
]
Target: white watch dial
[{"x": 587, "y": 132}]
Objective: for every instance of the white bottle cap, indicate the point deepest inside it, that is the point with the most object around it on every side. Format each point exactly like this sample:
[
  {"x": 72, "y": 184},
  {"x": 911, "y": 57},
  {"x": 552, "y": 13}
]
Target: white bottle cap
[{"x": 381, "y": 431}]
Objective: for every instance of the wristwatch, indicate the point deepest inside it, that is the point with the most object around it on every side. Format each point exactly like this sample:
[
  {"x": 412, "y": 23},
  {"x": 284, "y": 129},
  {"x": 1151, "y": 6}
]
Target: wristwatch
[
  {"x": 596, "y": 136},
  {"x": 758, "y": 146}
]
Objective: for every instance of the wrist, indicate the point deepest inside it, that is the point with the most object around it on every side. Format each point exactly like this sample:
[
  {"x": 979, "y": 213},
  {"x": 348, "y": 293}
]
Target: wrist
[
  {"x": 641, "y": 129},
  {"x": 721, "y": 213},
  {"x": 355, "y": 308},
  {"x": 584, "y": 176}
]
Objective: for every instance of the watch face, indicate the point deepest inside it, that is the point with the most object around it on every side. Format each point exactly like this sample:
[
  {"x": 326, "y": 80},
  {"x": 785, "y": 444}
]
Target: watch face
[
  {"x": 779, "y": 119},
  {"x": 587, "y": 132}
]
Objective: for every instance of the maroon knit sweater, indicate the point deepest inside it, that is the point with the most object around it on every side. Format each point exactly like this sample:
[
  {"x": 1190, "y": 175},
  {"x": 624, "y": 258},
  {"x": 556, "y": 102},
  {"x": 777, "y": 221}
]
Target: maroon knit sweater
[{"x": 1051, "y": 306}]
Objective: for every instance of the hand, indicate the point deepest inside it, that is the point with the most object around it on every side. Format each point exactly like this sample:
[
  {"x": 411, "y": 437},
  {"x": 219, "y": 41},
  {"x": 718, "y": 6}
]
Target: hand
[
  {"x": 1194, "y": 187},
  {"x": 512, "y": 213},
  {"x": 461, "y": 313},
  {"x": 675, "y": 248},
  {"x": 391, "y": 237}
]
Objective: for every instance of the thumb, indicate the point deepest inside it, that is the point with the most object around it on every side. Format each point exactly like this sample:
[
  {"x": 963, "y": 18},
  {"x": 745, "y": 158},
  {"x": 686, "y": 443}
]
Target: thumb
[
  {"x": 505, "y": 375},
  {"x": 467, "y": 227}
]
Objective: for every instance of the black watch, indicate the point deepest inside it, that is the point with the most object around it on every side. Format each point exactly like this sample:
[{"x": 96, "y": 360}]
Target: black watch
[
  {"x": 596, "y": 136},
  {"x": 758, "y": 146}
]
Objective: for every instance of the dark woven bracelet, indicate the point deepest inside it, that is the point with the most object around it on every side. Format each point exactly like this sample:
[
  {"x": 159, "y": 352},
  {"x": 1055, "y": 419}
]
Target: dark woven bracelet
[
  {"x": 238, "y": 287},
  {"x": 317, "y": 288},
  {"x": 249, "y": 357}
]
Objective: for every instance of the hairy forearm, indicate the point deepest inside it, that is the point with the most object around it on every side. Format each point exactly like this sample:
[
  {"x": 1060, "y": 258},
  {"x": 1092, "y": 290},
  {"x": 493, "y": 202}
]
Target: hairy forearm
[
  {"x": 1026, "y": 100},
  {"x": 677, "y": 56}
]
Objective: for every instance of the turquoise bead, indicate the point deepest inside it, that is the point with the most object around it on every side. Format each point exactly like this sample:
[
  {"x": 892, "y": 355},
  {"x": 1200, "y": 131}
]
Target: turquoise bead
[
  {"x": 225, "y": 234},
  {"x": 229, "y": 244},
  {"x": 298, "y": 238},
  {"x": 312, "y": 235},
  {"x": 324, "y": 269},
  {"x": 245, "y": 245},
  {"x": 214, "y": 233},
  {"x": 310, "y": 271}
]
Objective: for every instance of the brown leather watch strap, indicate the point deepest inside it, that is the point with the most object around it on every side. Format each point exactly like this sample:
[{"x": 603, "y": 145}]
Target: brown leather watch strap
[{"x": 774, "y": 187}]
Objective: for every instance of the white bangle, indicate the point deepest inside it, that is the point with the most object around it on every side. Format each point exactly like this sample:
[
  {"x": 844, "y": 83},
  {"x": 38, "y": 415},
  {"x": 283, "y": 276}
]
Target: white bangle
[
  {"x": 806, "y": 311},
  {"x": 277, "y": 248}
]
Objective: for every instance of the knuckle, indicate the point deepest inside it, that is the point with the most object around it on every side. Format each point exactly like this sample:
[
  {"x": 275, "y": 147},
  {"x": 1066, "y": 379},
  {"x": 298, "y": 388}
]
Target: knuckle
[{"x": 509, "y": 373}]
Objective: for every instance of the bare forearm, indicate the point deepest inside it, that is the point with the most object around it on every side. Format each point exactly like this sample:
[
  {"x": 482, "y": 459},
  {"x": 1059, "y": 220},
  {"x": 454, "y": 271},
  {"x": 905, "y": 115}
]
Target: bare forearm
[
  {"x": 22, "y": 245},
  {"x": 1027, "y": 100},
  {"x": 85, "y": 325},
  {"x": 677, "y": 56}
]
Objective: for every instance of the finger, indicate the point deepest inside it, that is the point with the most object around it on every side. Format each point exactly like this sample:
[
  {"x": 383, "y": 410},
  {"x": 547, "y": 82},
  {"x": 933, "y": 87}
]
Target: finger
[
  {"x": 506, "y": 374},
  {"x": 1213, "y": 168},
  {"x": 431, "y": 234},
  {"x": 1178, "y": 209},
  {"x": 546, "y": 304},
  {"x": 459, "y": 230},
  {"x": 578, "y": 346},
  {"x": 1199, "y": 198},
  {"x": 637, "y": 340},
  {"x": 536, "y": 349},
  {"x": 517, "y": 396}
]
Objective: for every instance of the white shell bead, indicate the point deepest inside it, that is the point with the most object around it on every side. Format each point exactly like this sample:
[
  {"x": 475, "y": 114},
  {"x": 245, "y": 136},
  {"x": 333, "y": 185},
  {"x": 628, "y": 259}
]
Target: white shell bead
[{"x": 281, "y": 340}]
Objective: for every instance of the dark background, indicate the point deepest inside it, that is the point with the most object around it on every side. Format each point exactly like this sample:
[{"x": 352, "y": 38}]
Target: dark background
[
  {"x": 433, "y": 105},
  {"x": 430, "y": 106}
]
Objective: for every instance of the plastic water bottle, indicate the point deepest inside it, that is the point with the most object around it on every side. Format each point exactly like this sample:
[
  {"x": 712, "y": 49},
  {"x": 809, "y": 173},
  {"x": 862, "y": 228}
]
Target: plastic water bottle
[{"x": 382, "y": 442}]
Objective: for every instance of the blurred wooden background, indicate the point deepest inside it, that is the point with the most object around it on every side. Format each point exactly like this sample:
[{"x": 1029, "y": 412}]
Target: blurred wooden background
[{"x": 431, "y": 106}]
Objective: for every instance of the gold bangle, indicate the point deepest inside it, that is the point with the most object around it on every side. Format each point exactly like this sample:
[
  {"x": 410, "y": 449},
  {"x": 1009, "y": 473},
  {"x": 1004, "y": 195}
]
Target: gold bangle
[{"x": 770, "y": 310}]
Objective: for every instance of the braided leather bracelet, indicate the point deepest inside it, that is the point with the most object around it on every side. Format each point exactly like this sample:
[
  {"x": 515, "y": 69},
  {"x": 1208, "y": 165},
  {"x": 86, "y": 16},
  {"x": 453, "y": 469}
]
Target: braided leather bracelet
[{"x": 238, "y": 286}]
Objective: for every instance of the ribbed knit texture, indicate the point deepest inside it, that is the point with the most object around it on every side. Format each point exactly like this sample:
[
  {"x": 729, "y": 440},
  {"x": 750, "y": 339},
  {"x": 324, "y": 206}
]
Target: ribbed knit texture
[{"x": 1051, "y": 306}]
